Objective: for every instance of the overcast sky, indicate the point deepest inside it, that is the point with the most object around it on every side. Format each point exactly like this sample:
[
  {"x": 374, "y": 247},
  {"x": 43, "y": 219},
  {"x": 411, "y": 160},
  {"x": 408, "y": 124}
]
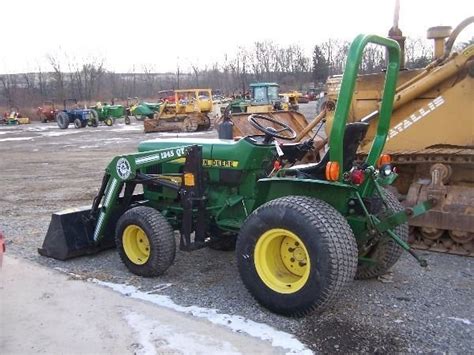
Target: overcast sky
[{"x": 160, "y": 34}]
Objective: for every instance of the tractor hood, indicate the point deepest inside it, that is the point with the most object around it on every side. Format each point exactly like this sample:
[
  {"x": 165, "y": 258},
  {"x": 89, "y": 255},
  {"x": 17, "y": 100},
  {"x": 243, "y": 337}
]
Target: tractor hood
[{"x": 222, "y": 153}]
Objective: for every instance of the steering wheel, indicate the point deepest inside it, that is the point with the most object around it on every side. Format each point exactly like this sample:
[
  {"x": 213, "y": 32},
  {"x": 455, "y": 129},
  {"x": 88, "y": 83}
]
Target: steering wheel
[{"x": 271, "y": 132}]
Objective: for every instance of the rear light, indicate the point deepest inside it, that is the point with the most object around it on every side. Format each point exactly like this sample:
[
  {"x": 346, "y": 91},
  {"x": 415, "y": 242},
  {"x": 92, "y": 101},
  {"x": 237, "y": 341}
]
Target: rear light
[
  {"x": 383, "y": 160},
  {"x": 332, "y": 171},
  {"x": 386, "y": 170},
  {"x": 357, "y": 176},
  {"x": 276, "y": 165}
]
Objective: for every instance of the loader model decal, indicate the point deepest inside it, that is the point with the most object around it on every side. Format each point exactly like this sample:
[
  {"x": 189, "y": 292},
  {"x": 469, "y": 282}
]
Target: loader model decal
[
  {"x": 415, "y": 117},
  {"x": 176, "y": 152}
]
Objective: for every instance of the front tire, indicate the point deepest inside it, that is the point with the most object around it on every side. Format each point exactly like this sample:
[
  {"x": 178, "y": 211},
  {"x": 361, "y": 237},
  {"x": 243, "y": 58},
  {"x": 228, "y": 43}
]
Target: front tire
[
  {"x": 77, "y": 123},
  {"x": 296, "y": 255},
  {"x": 145, "y": 241},
  {"x": 386, "y": 252},
  {"x": 109, "y": 121}
]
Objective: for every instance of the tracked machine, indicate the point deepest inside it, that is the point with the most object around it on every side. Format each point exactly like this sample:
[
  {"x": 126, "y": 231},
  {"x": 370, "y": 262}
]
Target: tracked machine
[
  {"x": 264, "y": 99},
  {"x": 188, "y": 113},
  {"x": 430, "y": 139}
]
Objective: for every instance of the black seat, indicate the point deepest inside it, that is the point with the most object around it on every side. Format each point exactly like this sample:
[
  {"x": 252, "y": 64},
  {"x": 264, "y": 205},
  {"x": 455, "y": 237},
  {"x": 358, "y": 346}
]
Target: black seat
[{"x": 353, "y": 135}]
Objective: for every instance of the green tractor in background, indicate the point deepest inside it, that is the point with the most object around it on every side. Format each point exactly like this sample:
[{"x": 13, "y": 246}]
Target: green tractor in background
[
  {"x": 107, "y": 113},
  {"x": 302, "y": 233},
  {"x": 141, "y": 109}
]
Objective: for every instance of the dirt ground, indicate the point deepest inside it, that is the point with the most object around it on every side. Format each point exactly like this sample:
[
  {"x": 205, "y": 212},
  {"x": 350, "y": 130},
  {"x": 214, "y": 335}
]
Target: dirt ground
[{"x": 44, "y": 169}]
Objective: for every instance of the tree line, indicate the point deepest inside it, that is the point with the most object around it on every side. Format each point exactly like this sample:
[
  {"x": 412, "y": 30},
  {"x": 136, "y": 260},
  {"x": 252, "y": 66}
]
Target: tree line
[{"x": 90, "y": 80}]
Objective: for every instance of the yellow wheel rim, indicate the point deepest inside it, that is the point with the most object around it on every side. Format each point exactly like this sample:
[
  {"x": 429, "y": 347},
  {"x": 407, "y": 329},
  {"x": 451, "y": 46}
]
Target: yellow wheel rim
[
  {"x": 136, "y": 244},
  {"x": 282, "y": 260}
]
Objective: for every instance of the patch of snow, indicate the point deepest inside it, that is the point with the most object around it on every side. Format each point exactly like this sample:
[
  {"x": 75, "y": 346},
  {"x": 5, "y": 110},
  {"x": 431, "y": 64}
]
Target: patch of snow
[
  {"x": 4, "y": 132},
  {"x": 17, "y": 139},
  {"x": 61, "y": 132},
  {"x": 116, "y": 139},
  {"x": 127, "y": 128},
  {"x": 462, "y": 320},
  {"x": 172, "y": 339},
  {"x": 38, "y": 128},
  {"x": 160, "y": 287},
  {"x": 235, "y": 322},
  {"x": 181, "y": 134},
  {"x": 88, "y": 146}
]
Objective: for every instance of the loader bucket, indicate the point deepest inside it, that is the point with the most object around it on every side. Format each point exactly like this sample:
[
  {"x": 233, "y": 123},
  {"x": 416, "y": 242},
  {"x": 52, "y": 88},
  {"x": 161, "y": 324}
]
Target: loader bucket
[
  {"x": 70, "y": 234},
  {"x": 294, "y": 119}
]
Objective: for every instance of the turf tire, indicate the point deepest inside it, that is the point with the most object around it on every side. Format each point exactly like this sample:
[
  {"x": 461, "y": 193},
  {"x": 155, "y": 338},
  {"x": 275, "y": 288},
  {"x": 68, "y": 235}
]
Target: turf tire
[
  {"x": 161, "y": 239},
  {"x": 329, "y": 242}
]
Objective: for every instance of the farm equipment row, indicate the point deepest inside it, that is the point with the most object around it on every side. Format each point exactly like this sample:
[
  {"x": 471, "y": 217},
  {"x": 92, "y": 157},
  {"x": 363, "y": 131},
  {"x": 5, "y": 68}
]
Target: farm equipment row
[
  {"x": 302, "y": 233},
  {"x": 81, "y": 117}
]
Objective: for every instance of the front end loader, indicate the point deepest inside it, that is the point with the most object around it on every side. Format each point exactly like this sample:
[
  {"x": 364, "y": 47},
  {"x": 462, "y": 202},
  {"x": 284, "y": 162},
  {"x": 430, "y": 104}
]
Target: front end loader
[{"x": 301, "y": 233}]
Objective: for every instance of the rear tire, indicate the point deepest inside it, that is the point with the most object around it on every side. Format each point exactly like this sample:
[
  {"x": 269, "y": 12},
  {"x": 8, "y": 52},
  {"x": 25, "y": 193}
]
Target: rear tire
[
  {"x": 94, "y": 120},
  {"x": 62, "y": 119},
  {"x": 386, "y": 252},
  {"x": 296, "y": 255},
  {"x": 145, "y": 241}
]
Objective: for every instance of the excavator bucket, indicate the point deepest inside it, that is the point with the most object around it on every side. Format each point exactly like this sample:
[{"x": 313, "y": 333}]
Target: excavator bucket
[{"x": 70, "y": 234}]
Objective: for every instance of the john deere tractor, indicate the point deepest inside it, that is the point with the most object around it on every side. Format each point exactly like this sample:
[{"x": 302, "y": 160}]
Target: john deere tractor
[
  {"x": 107, "y": 113},
  {"x": 301, "y": 233}
]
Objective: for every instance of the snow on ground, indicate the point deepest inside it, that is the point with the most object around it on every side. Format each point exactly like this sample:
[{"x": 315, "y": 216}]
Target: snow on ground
[
  {"x": 127, "y": 128},
  {"x": 16, "y": 139},
  {"x": 150, "y": 331},
  {"x": 235, "y": 322},
  {"x": 462, "y": 320}
]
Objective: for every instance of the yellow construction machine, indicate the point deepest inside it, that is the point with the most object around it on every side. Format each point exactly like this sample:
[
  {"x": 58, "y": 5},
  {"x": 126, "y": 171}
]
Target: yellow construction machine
[
  {"x": 431, "y": 138},
  {"x": 264, "y": 99},
  {"x": 291, "y": 99},
  {"x": 188, "y": 112}
]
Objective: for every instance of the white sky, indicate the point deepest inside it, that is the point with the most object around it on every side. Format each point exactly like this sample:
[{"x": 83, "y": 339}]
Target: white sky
[{"x": 160, "y": 34}]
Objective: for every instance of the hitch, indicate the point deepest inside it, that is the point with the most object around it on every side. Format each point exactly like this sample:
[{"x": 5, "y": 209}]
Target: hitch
[
  {"x": 387, "y": 224},
  {"x": 405, "y": 246}
]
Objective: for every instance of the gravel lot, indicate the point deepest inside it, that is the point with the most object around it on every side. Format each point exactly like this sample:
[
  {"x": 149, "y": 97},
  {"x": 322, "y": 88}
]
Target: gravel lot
[{"x": 44, "y": 169}]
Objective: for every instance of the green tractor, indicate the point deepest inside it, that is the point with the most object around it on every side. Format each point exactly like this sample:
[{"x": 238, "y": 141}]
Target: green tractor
[
  {"x": 302, "y": 233},
  {"x": 141, "y": 109},
  {"x": 107, "y": 113}
]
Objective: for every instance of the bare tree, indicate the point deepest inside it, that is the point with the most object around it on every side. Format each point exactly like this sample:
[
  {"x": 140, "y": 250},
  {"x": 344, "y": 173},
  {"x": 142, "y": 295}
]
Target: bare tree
[{"x": 57, "y": 76}]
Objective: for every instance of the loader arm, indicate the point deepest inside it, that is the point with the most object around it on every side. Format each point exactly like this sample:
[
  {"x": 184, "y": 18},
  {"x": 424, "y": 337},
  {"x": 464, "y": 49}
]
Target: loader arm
[
  {"x": 126, "y": 169},
  {"x": 82, "y": 231}
]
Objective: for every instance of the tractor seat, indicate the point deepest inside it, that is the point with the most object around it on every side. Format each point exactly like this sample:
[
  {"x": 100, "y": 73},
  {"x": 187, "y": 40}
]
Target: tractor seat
[{"x": 353, "y": 135}]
